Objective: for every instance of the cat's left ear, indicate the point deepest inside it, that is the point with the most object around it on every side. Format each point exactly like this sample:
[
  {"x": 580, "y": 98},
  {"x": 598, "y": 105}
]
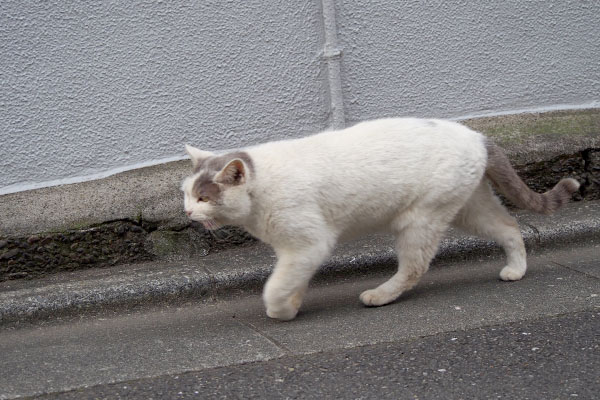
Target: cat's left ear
[
  {"x": 196, "y": 155},
  {"x": 234, "y": 173}
]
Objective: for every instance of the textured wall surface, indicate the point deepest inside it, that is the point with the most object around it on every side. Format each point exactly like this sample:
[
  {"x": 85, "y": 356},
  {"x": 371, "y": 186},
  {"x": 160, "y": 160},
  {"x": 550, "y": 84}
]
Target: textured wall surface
[
  {"x": 451, "y": 58},
  {"x": 87, "y": 86}
]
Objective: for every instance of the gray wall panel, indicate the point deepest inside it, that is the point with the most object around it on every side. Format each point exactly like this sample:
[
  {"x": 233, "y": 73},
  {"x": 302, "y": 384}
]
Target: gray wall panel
[
  {"x": 448, "y": 58},
  {"x": 88, "y": 86}
]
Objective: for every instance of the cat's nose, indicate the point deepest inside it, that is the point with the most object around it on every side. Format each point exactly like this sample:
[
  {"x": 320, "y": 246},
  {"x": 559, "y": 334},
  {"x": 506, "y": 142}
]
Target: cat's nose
[{"x": 189, "y": 213}]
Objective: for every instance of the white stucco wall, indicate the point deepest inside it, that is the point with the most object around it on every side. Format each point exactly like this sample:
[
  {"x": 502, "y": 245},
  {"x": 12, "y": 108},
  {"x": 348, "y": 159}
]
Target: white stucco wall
[
  {"x": 89, "y": 87},
  {"x": 453, "y": 58}
]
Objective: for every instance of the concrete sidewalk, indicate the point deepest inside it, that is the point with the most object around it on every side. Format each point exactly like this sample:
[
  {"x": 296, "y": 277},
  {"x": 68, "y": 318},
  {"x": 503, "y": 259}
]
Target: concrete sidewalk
[{"x": 245, "y": 268}]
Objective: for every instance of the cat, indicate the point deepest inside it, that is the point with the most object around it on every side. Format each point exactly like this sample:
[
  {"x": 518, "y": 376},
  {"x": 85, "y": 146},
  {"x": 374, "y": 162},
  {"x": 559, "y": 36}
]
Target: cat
[{"x": 411, "y": 177}]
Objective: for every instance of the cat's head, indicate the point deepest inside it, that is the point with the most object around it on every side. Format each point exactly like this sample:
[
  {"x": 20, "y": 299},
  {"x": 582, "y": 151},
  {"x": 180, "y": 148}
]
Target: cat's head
[{"x": 216, "y": 194}]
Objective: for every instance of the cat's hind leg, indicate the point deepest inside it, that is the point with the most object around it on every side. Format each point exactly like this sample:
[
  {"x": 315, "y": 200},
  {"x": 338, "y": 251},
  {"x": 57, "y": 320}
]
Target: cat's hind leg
[
  {"x": 417, "y": 243},
  {"x": 485, "y": 216},
  {"x": 285, "y": 288}
]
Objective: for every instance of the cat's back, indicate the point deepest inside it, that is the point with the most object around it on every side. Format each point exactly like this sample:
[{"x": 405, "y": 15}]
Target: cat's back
[
  {"x": 381, "y": 141},
  {"x": 403, "y": 132}
]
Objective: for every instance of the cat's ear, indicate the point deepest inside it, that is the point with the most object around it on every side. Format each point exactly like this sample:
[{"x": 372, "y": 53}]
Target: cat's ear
[
  {"x": 196, "y": 155},
  {"x": 234, "y": 173}
]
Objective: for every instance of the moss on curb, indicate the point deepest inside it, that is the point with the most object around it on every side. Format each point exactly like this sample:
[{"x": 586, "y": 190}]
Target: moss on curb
[
  {"x": 516, "y": 129},
  {"x": 108, "y": 244}
]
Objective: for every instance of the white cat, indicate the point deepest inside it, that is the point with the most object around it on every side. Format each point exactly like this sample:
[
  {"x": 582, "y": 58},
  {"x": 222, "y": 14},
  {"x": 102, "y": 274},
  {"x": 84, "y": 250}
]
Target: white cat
[{"x": 411, "y": 177}]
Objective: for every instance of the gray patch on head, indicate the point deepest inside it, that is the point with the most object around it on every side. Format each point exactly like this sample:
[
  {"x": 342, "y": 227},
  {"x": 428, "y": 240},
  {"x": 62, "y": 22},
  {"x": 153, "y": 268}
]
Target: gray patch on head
[
  {"x": 217, "y": 163},
  {"x": 200, "y": 165},
  {"x": 204, "y": 185}
]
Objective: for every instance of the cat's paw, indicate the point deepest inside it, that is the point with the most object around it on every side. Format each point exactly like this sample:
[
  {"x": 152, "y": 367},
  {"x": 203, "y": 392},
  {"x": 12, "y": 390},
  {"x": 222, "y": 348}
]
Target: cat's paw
[
  {"x": 511, "y": 274},
  {"x": 282, "y": 313},
  {"x": 281, "y": 308},
  {"x": 376, "y": 297}
]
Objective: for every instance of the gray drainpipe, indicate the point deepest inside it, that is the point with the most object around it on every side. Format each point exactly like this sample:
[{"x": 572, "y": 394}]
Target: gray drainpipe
[{"x": 332, "y": 55}]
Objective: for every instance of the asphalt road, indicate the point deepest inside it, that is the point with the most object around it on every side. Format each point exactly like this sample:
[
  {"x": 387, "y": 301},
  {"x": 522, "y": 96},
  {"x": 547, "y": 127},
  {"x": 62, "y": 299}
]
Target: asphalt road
[
  {"x": 461, "y": 333},
  {"x": 549, "y": 358}
]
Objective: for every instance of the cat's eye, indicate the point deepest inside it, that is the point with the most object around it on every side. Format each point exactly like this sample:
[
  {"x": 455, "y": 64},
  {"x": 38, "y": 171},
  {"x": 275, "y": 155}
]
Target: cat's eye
[{"x": 202, "y": 199}]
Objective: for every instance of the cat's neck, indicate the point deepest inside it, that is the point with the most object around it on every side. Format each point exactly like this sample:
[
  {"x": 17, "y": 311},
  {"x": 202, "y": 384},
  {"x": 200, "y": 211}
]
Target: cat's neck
[{"x": 255, "y": 222}]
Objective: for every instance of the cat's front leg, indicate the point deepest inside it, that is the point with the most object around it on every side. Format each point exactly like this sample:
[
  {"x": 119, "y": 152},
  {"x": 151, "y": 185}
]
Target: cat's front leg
[{"x": 287, "y": 285}]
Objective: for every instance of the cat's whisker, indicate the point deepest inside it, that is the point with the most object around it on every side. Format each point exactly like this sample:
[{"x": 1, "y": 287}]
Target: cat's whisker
[
  {"x": 217, "y": 234},
  {"x": 220, "y": 234},
  {"x": 212, "y": 227}
]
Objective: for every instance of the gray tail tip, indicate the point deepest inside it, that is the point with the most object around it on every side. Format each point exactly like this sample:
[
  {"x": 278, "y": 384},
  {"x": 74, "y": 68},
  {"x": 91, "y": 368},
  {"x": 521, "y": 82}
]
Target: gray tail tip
[{"x": 570, "y": 184}]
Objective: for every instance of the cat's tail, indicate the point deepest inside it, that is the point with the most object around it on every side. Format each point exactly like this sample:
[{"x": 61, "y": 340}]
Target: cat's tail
[{"x": 505, "y": 179}]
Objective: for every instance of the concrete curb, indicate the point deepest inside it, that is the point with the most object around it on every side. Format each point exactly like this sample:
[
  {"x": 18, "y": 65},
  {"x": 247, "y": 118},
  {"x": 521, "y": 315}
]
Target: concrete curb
[{"x": 246, "y": 268}]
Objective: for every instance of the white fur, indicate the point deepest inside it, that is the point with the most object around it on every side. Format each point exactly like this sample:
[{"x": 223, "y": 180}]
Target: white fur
[{"x": 410, "y": 177}]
